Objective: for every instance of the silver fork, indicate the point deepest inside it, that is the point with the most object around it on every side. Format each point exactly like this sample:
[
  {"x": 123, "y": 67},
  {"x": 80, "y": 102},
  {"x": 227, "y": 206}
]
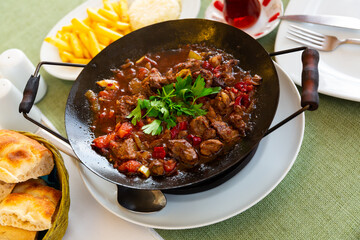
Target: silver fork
[{"x": 317, "y": 40}]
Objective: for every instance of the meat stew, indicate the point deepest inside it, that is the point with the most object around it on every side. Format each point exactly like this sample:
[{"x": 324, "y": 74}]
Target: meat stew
[{"x": 144, "y": 129}]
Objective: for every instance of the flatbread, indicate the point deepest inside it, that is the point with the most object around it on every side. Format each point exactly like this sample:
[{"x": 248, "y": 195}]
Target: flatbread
[
  {"x": 5, "y": 189},
  {"x": 11, "y": 233},
  {"x": 22, "y": 158}
]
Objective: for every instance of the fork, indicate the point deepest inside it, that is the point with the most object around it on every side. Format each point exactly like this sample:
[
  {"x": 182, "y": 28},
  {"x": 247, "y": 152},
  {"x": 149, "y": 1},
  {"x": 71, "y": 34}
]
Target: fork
[{"x": 317, "y": 40}]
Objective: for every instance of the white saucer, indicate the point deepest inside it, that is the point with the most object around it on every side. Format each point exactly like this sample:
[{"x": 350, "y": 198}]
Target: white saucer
[
  {"x": 267, "y": 22},
  {"x": 339, "y": 70},
  {"x": 48, "y": 52},
  {"x": 274, "y": 157}
]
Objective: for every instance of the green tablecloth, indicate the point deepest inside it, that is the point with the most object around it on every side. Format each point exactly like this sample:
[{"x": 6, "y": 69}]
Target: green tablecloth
[{"x": 318, "y": 199}]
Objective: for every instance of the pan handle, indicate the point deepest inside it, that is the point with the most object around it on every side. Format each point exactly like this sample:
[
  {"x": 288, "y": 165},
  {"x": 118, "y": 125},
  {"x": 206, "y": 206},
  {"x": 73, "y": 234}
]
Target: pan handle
[
  {"x": 310, "y": 79},
  {"x": 27, "y": 102},
  {"x": 310, "y": 82},
  {"x": 32, "y": 85}
]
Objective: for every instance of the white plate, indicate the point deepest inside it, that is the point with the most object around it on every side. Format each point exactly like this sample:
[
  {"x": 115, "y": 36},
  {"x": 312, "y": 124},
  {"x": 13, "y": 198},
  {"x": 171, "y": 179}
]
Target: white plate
[
  {"x": 48, "y": 52},
  {"x": 267, "y": 22},
  {"x": 272, "y": 161},
  {"x": 339, "y": 70}
]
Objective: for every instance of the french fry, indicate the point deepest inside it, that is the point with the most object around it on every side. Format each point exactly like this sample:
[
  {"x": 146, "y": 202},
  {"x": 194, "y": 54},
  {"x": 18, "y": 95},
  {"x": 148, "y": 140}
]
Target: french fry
[
  {"x": 66, "y": 56},
  {"x": 124, "y": 11},
  {"x": 108, "y": 6},
  {"x": 86, "y": 52},
  {"x": 122, "y": 25},
  {"x": 58, "y": 43},
  {"x": 111, "y": 15},
  {"x": 68, "y": 28},
  {"x": 101, "y": 30},
  {"x": 116, "y": 7},
  {"x": 76, "y": 46},
  {"x": 84, "y": 39},
  {"x": 97, "y": 17},
  {"x": 80, "y": 25},
  {"x": 94, "y": 45},
  {"x": 103, "y": 40},
  {"x": 81, "y": 60}
]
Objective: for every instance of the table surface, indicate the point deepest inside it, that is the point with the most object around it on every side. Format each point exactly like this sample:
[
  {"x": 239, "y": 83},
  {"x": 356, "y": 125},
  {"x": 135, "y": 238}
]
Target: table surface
[{"x": 318, "y": 199}]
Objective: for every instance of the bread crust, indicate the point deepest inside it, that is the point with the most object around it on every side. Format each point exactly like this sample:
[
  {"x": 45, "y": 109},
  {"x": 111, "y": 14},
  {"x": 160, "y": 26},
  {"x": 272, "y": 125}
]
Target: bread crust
[
  {"x": 22, "y": 158},
  {"x": 12, "y": 233},
  {"x": 25, "y": 211}
]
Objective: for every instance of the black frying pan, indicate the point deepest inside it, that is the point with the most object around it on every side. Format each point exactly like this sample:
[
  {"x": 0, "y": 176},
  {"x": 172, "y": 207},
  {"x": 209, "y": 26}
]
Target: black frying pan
[{"x": 169, "y": 35}]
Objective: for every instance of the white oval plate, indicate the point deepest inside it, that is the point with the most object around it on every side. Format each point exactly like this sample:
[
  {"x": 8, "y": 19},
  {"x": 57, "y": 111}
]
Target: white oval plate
[
  {"x": 272, "y": 161},
  {"x": 267, "y": 22},
  {"x": 339, "y": 70},
  {"x": 48, "y": 52}
]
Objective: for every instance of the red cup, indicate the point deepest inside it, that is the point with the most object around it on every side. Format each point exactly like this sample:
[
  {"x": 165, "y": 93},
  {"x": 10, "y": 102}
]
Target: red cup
[{"x": 241, "y": 13}]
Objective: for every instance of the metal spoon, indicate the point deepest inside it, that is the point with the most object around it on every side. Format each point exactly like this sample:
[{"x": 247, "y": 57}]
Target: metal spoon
[{"x": 138, "y": 200}]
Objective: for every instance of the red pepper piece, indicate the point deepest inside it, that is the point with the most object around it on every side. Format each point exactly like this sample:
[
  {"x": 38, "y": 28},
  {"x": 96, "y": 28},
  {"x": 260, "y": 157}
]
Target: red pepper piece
[
  {"x": 124, "y": 129},
  {"x": 169, "y": 165},
  {"x": 103, "y": 141},
  {"x": 130, "y": 166},
  {"x": 159, "y": 152},
  {"x": 243, "y": 100}
]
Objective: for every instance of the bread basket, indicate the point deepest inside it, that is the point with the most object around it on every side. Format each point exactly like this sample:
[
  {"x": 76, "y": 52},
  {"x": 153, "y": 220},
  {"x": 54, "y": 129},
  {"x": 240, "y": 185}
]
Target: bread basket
[{"x": 61, "y": 178}]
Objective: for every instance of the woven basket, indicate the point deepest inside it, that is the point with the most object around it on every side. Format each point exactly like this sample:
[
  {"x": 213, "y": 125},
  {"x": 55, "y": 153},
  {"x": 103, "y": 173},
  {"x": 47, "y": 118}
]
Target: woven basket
[{"x": 60, "y": 222}]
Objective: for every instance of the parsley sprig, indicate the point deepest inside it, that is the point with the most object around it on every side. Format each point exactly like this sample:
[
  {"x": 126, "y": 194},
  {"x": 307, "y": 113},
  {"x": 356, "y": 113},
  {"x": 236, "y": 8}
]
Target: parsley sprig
[{"x": 172, "y": 100}]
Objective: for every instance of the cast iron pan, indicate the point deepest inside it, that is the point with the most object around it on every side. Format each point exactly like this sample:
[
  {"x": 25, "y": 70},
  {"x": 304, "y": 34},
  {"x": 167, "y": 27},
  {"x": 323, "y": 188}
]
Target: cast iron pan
[{"x": 169, "y": 35}]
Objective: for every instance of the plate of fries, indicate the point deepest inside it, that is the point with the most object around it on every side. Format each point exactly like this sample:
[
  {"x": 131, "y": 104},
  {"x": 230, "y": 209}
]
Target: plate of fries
[{"x": 89, "y": 28}]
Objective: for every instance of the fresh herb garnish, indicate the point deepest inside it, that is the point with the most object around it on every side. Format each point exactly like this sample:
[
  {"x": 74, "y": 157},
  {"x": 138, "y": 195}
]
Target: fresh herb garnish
[{"x": 171, "y": 102}]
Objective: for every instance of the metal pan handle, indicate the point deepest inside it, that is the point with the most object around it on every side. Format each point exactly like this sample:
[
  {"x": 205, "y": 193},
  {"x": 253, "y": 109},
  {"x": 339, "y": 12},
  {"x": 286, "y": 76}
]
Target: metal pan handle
[
  {"x": 309, "y": 82},
  {"x": 32, "y": 85}
]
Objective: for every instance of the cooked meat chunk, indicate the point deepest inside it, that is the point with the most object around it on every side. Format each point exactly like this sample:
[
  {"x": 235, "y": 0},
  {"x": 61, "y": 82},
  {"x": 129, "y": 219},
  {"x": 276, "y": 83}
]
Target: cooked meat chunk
[
  {"x": 206, "y": 74},
  {"x": 215, "y": 60},
  {"x": 143, "y": 156},
  {"x": 199, "y": 125},
  {"x": 192, "y": 64},
  {"x": 210, "y": 147},
  {"x": 124, "y": 150},
  {"x": 183, "y": 134},
  {"x": 156, "y": 80},
  {"x": 225, "y": 131},
  {"x": 183, "y": 151},
  {"x": 135, "y": 86},
  {"x": 222, "y": 102},
  {"x": 157, "y": 167},
  {"x": 124, "y": 105},
  {"x": 210, "y": 133}
]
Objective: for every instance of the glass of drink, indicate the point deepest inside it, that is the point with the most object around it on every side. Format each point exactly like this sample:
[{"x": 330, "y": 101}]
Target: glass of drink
[{"x": 241, "y": 13}]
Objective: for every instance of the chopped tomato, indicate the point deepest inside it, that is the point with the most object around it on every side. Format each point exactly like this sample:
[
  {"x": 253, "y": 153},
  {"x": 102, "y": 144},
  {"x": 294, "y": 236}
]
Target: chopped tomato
[
  {"x": 159, "y": 152},
  {"x": 182, "y": 125},
  {"x": 169, "y": 165},
  {"x": 103, "y": 141},
  {"x": 124, "y": 129},
  {"x": 194, "y": 139},
  {"x": 130, "y": 166},
  {"x": 207, "y": 66},
  {"x": 174, "y": 132}
]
